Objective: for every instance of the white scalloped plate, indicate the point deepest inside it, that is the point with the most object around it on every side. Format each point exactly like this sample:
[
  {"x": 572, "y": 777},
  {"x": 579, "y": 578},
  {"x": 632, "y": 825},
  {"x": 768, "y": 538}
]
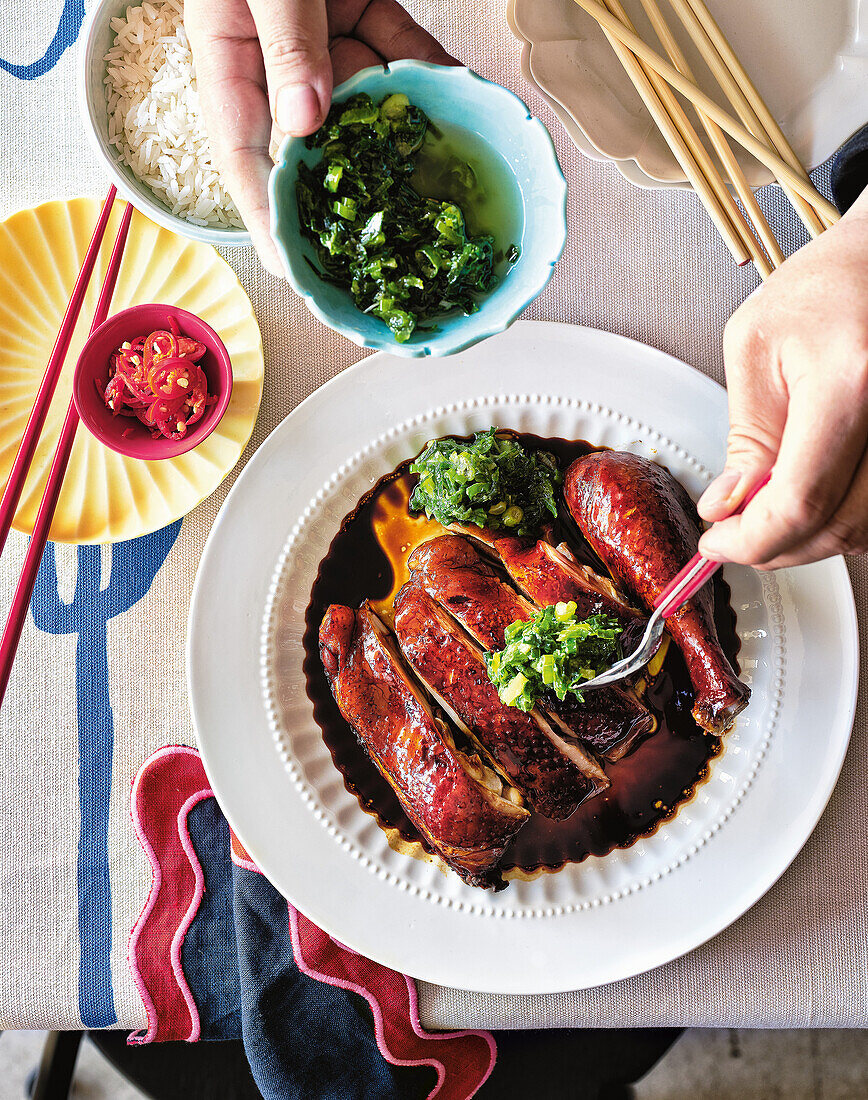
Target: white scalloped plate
[
  {"x": 808, "y": 59},
  {"x": 590, "y": 923}
]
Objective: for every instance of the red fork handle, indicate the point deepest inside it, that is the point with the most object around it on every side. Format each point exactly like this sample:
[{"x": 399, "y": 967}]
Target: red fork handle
[{"x": 688, "y": 581}]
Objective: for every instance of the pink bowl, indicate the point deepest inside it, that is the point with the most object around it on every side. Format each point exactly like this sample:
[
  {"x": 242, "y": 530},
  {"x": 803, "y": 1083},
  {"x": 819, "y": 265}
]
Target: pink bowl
[{"x": 92, "y": 370}]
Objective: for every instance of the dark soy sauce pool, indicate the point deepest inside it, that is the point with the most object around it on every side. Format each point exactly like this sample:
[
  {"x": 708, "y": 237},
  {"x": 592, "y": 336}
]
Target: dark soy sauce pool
[{"x": 647, "y": 787}]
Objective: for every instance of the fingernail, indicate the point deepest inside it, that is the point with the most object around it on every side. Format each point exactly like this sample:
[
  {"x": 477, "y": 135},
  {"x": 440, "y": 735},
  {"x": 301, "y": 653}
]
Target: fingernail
[
  {"x": 721, "y": 490},
  {"x": 297, "y": 109},
  {"x": 710, "y": 550}
]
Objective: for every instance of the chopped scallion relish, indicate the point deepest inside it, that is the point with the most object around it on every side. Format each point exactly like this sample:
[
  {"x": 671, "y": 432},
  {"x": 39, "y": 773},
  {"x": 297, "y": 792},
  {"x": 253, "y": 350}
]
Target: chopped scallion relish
[
  {"x": 404, "y": 258},
  {"x": 553, "y": 652},
  {"x": 491, "y": 482}
]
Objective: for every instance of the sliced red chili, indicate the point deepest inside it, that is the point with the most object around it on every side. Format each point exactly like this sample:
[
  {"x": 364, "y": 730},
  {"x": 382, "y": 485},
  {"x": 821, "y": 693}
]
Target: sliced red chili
[
  {"x": 157, "y": 379},
  {"x": 190, "y": 349},
  {"x": 159, "y": 345}
]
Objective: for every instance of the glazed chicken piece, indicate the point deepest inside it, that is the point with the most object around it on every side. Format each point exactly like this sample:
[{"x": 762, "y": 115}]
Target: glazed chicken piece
[
  {"x": 550, "y": 574},
  {"x": 611, "y": 723},
  {"x": 553, "y": 773},
  {"x": 644, "y": 527},
  {"x": 455, "y": 573},
  {"x": 455, "y": 800}
]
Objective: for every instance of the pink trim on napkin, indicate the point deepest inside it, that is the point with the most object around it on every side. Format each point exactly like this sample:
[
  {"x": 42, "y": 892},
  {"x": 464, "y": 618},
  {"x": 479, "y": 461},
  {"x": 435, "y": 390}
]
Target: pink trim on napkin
[
  {"x": 467, "y": 1057},
  {"x": 169, "y": 784}
]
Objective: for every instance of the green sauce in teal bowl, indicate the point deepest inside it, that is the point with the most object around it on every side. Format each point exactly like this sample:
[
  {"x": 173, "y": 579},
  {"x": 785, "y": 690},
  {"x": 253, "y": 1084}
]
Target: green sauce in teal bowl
[{"x": 514, "y": 191}]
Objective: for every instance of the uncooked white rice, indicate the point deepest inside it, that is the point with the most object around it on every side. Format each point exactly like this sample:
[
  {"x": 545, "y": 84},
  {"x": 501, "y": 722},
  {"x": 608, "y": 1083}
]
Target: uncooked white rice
[{"x": 153, "y": 114}]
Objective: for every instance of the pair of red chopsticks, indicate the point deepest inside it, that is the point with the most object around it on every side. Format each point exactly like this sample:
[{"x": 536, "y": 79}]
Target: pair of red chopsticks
[{"x": 35, "y": 424}]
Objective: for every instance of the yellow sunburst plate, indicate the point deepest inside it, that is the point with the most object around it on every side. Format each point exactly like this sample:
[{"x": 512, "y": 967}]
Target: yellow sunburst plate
[{"x": 107, "y": 497}]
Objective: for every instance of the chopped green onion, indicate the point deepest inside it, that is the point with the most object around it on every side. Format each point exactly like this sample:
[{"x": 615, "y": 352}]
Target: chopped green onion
[
  {"x": 514, "y": 690},
  {"x": 372, "y": 233},
  {"x": 404, "y": 258},
  {"x": 360, "y": 114},
  {"x": 345, "y": 208},
  {"x": 491, "y": 482},
  {"x": 333, "y": 177},
  {"x": 394, "y": 106},
  {"x": 552, "y": 652}
]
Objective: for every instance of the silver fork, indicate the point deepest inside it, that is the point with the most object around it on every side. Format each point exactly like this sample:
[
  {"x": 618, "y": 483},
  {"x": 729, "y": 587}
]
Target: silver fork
[{"x": 683, "y": 586}]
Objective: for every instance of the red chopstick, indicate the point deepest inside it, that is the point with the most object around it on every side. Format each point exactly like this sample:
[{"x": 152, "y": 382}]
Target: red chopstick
[
  {"x": 53, "y": 369},
  {"x": 21, "y": 599}
]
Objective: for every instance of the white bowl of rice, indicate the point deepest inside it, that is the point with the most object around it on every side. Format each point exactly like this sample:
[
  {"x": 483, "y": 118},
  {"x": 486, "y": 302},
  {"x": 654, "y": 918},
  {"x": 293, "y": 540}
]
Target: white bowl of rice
[{"x": 139, "y": 100}]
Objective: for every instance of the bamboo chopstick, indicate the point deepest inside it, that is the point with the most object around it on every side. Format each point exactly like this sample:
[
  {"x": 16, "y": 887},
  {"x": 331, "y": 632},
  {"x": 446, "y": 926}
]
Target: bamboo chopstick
[
  {"x": 769, "y": 157},
  {"x": 745, "y": 99},
  {"x": 682, "y": 139},
  {"x": 722, "y": 147},
  {"x": 758, "y": 104}
]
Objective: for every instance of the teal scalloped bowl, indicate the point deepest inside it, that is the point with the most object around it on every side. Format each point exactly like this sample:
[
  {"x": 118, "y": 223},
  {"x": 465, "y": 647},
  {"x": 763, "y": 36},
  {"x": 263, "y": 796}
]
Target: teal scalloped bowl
[{"x": 531, "y": 206}]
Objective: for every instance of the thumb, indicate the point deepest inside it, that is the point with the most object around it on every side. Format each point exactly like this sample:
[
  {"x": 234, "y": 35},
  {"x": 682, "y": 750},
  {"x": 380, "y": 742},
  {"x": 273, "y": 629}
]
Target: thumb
[
  {"x": 748, "y": 460},
  {"x": 293, "y": 35},
  {"x": 757, "y": 415}
]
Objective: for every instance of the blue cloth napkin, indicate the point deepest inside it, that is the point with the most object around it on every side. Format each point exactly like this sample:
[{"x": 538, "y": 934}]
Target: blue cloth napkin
[{"x": 306, "y": 1039}]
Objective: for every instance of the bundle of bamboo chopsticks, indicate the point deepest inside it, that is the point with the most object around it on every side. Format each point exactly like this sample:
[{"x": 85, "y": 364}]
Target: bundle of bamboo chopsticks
[{"x": 744, "y": 229}]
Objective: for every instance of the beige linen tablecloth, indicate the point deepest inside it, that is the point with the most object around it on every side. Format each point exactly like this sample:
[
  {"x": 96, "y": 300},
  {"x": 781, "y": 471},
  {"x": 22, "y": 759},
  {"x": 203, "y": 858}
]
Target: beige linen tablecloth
[{"x": 646, "y": 264}]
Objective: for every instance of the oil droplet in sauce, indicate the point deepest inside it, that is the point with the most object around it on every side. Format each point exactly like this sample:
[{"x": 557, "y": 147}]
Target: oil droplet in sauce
[{"x": 398, "y": 532}]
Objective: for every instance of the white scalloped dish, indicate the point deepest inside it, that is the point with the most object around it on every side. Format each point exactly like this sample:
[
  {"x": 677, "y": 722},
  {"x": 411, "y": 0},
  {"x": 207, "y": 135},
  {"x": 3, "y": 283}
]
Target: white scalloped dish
[
  {"x": 809, "y": 60},
  {"x": 591, "y": 922}
]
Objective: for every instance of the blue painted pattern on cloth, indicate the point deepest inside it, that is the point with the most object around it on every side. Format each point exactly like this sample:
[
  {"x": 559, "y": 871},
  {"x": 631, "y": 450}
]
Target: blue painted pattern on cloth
[
  {"x": 71, "y": 19},
  {"x": 134, "y": 566}
]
